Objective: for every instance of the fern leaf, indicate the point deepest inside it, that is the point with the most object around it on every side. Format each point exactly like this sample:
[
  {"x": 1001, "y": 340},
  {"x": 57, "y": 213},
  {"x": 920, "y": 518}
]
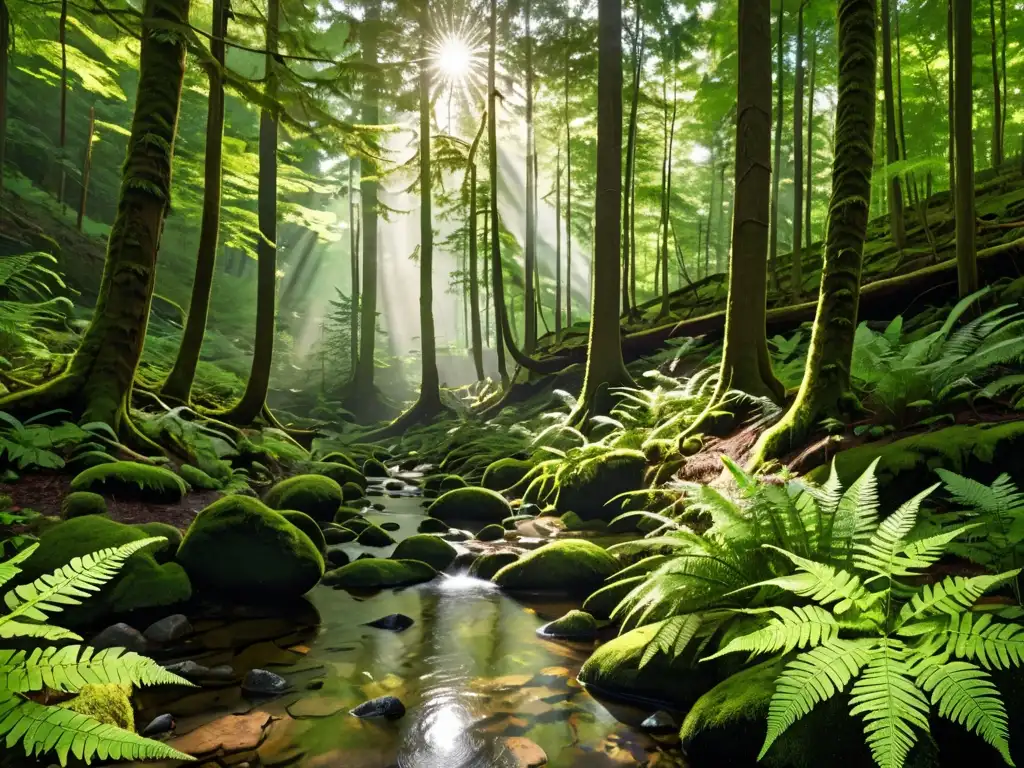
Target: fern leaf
[
  {"x": 856, "y": 513},
  {"x": 72, "y": 666},
  {"x": 966, "y": 695},
  {"x": 9, "y": 629},
  {"x": 822, "y": 583},
  {"x": 9, "y": 568},
  {"x": 996, "y": 499},
  {"x": 884, "y": 552},
  {"x": 672, "y": 637},
  {"x": 791, "y": 628},
  {"x": 830, "y": 493},
  {"x": 993, "y": 645},
  {"x": 811, "y": 678},
  {"x": 952, "y": 596},
  {"x": 69, "y": 584},
  {"x": 43, "y": 729},
  {"x": 887, "y": 697}
]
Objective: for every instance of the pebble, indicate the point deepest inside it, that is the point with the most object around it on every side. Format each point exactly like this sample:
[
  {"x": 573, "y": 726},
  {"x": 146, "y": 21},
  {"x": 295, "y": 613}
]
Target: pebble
[
  {"x": 120, "y": 636},
  {"x": 169, "y": 629},
  {"x": 263, "y": 683},
  {"x": 396, "y": 622},
  {"x": 159, "y": 724},
  {"x": 386, "y": 706},
  {"x": 190, "y": 670},
  {"x": 525, "y": 753},
  {"x": 660, "y": 721},
  {"x": 378, "y": 506}
]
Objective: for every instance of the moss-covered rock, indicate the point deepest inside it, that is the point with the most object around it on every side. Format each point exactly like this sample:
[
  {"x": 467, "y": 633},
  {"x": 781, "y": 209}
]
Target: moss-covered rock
[
  {"x": 196, "y": 478},
  {"x": 241, "y": 549},
  {"x": 308, "y": 526},
  {"x": 376, "y": 573},
  {"x": 130, "y": 480},
  {"x": 478, "y": 504},
  {"x": 602, "y": 603},
  {"x": 164, "y": 553},
  {"x": 492, "y": 532},
  {"x": 504, "y": 473},
  {"x": 485, "y": 566},
  {"x": 109, "y": 703},
  {"x": 351, "y": 492},
  {"x": 614, "y": 672},
  {"x": 336, "y": 534},
  {"x": 375, "y": 468},
  {"x": 574, "y": 625},
  {"x": 337, "y": 457},
  {"x": 441, "y": 483},
  {"x": 356, "y": 524},
  {"x": 575, "y": 523},
  {"x": 428, "y": 549},
  {"x": 630, "y": 552},
  {"x": 572, "y": 567},
  {"x": 338, "y": 472},
  {"x": 589, "y": 487},
  {"x": 150, "y": 583},
  {"x": 316, "y": 495},
  {"x": 86, "y": 459},
  {"x": 432, "y": 525},
  {"x": 347, "y": 513},
  {"x": 82, "y": 503},
  {"x": 374, "y": 536}
]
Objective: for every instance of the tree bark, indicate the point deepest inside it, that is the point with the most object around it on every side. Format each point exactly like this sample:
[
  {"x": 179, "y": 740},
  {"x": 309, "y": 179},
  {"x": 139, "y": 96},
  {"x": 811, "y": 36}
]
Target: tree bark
[
  {"x": 997, "y": 104},
  {"x": 558, "y": 245},
  {"x": 950, "y": 55},
  {"x": 476, "y": 343},
  {"x": 605, "y": 367},
  {"x": 568, "y": 187},
  {"x": 62, "y": 127},
  {"x": 892, "y": 150},
  {"x": 353, "y": 254},
  {"x": 530, "y": 251},
  {"x": 5, "y": 45},
  {"x": 967, "y": 266},
  {"x": 179, "y": 382},
  {"x": 796, "y": 268},
  {"x": 825, "y": 391},
  {"x": 634, "y": 106},
  {"x": 809, "y": 186},
  {"x": 86, "y": 166},
  {"x": 773, "y": 245}
]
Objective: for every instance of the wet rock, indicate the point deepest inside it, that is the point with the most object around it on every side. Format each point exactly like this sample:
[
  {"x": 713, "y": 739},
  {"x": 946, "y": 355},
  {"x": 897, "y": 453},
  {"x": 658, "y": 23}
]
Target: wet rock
[
  {"x": 573, "y": 567},
  {"x": 229, "y": 735},
  {"x": 526, "y": 753},
  {"x": 529, "y": 509},
  {"x": 339, "y": 535},
  {"x": 386, "y": 706},
  {"x": 159, "y": 724},
  {"x": 378, "y": 506},
  {"x": 120, "y": 636},
  {"x": 221, "y": 672},
  {"x": 486, "y": 566},
  {"x": 190, "y": 670},
  {"x": 575, "y": 625},
  {"x": 454, "y": 534},
  {"x": 396, "y": 622},
  {"x": 390, "y": 526},
  {"x": 263, "y": 683},
  {"x": 432, "y": 525},
  {"x": 169, "y": 629},
  {"x": 338, "y": 557},
  {"x": 394, "y": 485},
  {"x": 660, "y": 721},
  {"x": 492, "y": 532}
]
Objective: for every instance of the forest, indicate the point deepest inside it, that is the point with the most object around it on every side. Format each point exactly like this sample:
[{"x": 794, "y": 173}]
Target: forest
[{"x": 511, "y": 383}]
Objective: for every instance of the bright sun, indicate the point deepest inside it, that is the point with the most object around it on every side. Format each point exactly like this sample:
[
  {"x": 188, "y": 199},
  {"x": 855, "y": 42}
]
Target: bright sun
[{"x": 454, "y": 58}]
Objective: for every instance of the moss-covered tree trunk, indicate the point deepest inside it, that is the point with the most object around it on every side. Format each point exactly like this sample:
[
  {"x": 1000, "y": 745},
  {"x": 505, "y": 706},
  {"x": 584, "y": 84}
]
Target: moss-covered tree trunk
[
  {"x": 825, "y": 391},
  {"x": 558, "y": 244},
  {"x": 5, "y": 46},
  {"x": 178, "y": 385},
  {"x": 997, "y": 101},
  {"x": 666, "y": 204},
  {"x": 950, "y": 97},
  {"x": 97, "y": 384},
  {"x": 796, "y": 269},
  {"x": 605, "y": 367},
  {"x": 746, "y": 365},
  {"x": 476, "y": 344},
  {"x": 254, "y": 399},
  {"x": 809, "y": 184},
  {"x": 780, "y": 104},
  {"x": 568, "y": 186},
  {"x": 892, "y": 149},
  {"x": 353, "y": 260},
  {"x": 530, "y": 249},
  {"x": 634, "y": 107},
  {"x": 62, "y": 120},
  {"x": 967, "y": 265}
]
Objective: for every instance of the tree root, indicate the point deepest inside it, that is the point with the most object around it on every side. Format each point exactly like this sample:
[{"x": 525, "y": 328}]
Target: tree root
[{"x": 420, "y": 412}]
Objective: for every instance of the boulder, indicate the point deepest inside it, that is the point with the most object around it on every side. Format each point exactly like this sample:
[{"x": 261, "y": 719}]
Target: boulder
[
  {"x": 339, "y": 472},
  {"x": 164, "y": 553},
  {"x": 505, "y": 473},
  {"x": 574, "y": 625},
  {"x": 120, "y": 635},
  {"x": 492, "y": 532},
  {"x": 131, "y": 480},
  {"x": 336, "y": 558},
  {"x": 345, "y": 514},
  {"x": 357, "y": 524},
  {"x": 375, "y": 468},
  {"x": 465, "y": 504},
  {"x": 241, "y": 549},
  {"x": 260, "y": 682},
  {"x": 572, "y": 567},
  {"x": 387, "y": 707},
  {"x": 485, "y": 566},
  {"x": 377, "y": 573},
  {"x": 339, "y": 535},
  {"x": 308, "y": 526},
  {"x": 351, "y": 491},
  {"x": 396, "y": 622},
  {"x": 432, "y": 525},
  {"x": 168, "y": 629},
  {"x": 316, "y": 495},
  {"x": 574, "y": 522},
  {"x": 428, "y": 549},
  {"x": 374, "y": 536},
  {"x": 588, "y": 487},
  {"x": 82, "y": 503},
  {"x": 158, "y": 725}
]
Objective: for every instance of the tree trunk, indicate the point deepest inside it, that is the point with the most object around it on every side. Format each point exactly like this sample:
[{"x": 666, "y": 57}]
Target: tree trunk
[
  {"x": 62, "y": 127},
  {"x": 892, "y": 150},
  {"x": 353, "y": 252},
  {"x": 634, "y": 106},
  {"x": 98, "y": 382},
  {"x": 773, "y": 245},
  {"x": 568, "y": 188},
  {"x": 5, "y": 45},
  {"x": 86, "y": 166},
  {"x": 663, "y": 223},
  {"x": 950, "y": 54},
  {"x": 558, "y": 245},
  {"x": 825, "y": 391},
  {"x": 178, "y": 385},
  {"x": 720, "y": 251},
  {"x": 796, "y": 267},
  {"x": 474, "y": 285},
  {"x": 530, "y": 251},
  {"x": 809, "y": 186},
  {"x": 967, "y": 266},
  {"x": 605, "y": 367},
  {"x": 254, "y": 398},
  {"x": 997, "y": 104},
  {"x": 1002, "y": 24}
]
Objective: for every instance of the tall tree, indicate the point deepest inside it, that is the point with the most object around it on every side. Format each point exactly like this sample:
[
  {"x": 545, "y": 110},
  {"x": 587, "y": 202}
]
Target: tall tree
[
  {"x": 5, "y": 46},
  {"x": 476, "y": 344},
  {"x": 951, "y": 98},
  {"x": 628, "y": 225},
  {"x": 967, "y": 265},
  {"x": 605, "y": 367},
  {"x": 796, "y": 275},
  {"x": 825, "y": 391},
  {"x": 773, "y": 245},
  {"x": 253, "y": 402},
  {"x": 746, "y": 364},
  {"x": 892, "y": 149},
  {"x": 353, "y": 257},
  {"x": 997, "y": 102},
  {"x": 97, "y": 383},
  {"x": 558, "y": 244},
  {"x": 530, "y": 251},
  {"x": 666, "y": 198},
  {"x": 178, "y": 385},
  {"x": 568, "y": 180},
  {"x": 809, "y": 185}
]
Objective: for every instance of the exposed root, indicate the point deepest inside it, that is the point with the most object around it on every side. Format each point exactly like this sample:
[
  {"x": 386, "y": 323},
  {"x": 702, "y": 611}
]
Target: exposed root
[{"x": 422, "y": 411}]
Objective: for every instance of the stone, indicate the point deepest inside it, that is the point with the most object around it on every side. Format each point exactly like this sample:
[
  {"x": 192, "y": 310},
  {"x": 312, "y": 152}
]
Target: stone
[
  {"x": 169, "y": 629},
  {"x": 574, "y": 625},
  {"x": 525, "y": 753},
  {"x": 263, "y": 683},
  {"x": 387, "y": 707},
  {"x": 660, "y": 721},
  {"x": 572, "y": 566},
  {"x": 190, "y": 670},
  {"x": 390, "y": 526},
  {"x": 396, "y": 622},
  {"x": 158, "y": 725},
  {"x": 231, "y": 734},
  {"x": 120, "y": 636},
  {"x": 222, "y": 672},
  {"x": 336, "y": 558}
]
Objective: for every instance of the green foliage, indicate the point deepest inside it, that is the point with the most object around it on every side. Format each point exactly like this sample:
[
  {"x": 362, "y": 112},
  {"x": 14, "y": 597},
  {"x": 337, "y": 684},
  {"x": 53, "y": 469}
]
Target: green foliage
[
  {"x": 39, "y": 728},
  {"x": 34, "y": 445},
  {"x": 82, "y": 503},
  {"x": 132, "y": 480}
]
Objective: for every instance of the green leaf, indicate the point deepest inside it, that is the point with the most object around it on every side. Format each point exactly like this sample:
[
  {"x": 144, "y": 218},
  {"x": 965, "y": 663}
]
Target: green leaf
[
  {"x": 9, "y": 568},
  {"x": 992, "y": 645},
  {"x": 953, "y": 595},
  {"x": 822, "y": 583},
  {"x": 791, "y": 628},
  {"x": 672, "y": 637},
  {"x": 72, "y": 666},
  {"x": 884, "y": 552}
]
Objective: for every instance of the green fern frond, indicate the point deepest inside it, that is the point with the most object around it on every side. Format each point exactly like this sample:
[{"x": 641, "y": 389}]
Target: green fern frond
[
  {"x": 884, "y": 553},
  {"x": 791, "y": 628},
  {"x": 953, "y": 595},
  {"x": 41, "y": 729},
  {"x": 672, "y": 637},
  {"x": 69, "y": 584},
  {"x": 856, "y": 513},
  {"x": 996, "y": 499},
  {"x": 73, "y": 666},
  {"x": 991, "y": 644},
  {"x": 9, "y": 629},
  {"x": 823, "y": 584},
  {"x": 9, "y": 568},
  {"x": 811, "y": 678},
  {"x": 966, "y": 695},
  {"x": 830, "y": 493},
  {"x": 890, "y": 702}
]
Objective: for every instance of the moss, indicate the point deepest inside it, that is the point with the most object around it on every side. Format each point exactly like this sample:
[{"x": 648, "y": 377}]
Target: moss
[
  {"x": 376, "y": 573},
  {"x": 432, "y": 525},
  {"x": 574, "y": 522},
  {"x": 87, "y": 459},
  {"x": 199, "y": 479},
  {"x": 82, "y": 503},
  {"x": 602, "y": 602},
  {"x": 339, "y": 535},
  {"x": 316, "y": 495},
  {"x": 337, "y": 457},
  {"x": 441, "y": 483},
  {"x": 630, "y": 552},
  {"x": 308, "y": 526},
  {"x": 351, "y": 492},
  {"x": 374, "y": 536},
  {"x": 241, "y": 549},
  {"x": 574, "y": 625},
  {"x": 510, "y": 523},
  {"x": 589, "y": 487},
  {"x": 338, "y": 472},
  {"x": 573, "y": 567},
  {"x": 477, "y": 504},
  {"x": 505, "y": 473},
  {"x": 485, "y": 566},
  {"x": 428, "y": 549},
  {"x": 375, "y": 468},
  {"x": 345, "y": 514},
  {"x": 127, "y": 479},
  {"x": 356, "y": 524},
  {"x": 148, "y": 585},
  {"x": 165, "y": 552},
  {"x": 539, "y": 490},
  {"x": 492, "y": 532},
  {"x": 109, "y": 703}
]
